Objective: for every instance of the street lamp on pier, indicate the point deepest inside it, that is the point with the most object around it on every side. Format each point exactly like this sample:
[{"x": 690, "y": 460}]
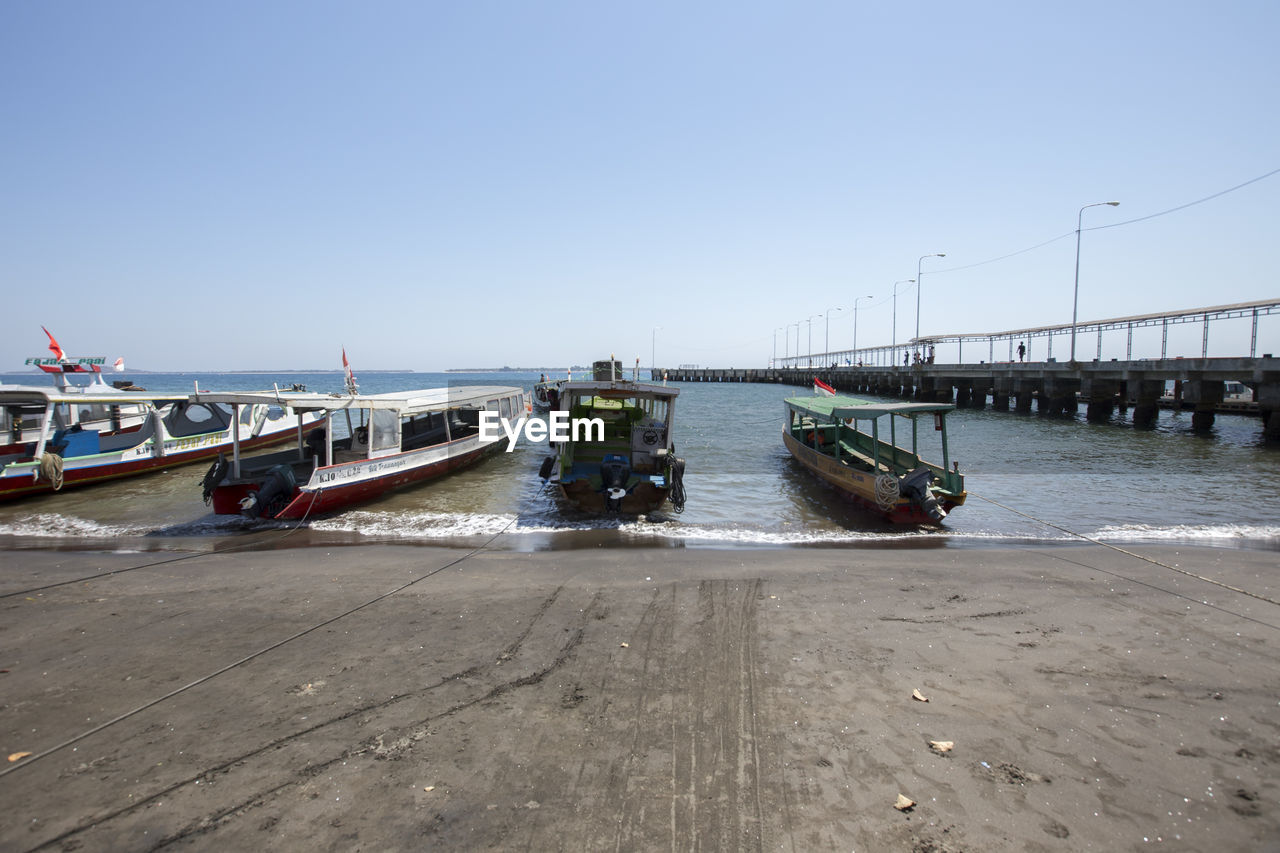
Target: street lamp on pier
[
  {"x": 919, "y": 275},
  {"x": 855, "y": 322},
  {"x": 893, "y": 338},
  {"x": 1075, "y": 296},
  {"x": 653, "y": 345},
  {"x": 827, "y": 345},
  {"x": 810, "y": 321}
]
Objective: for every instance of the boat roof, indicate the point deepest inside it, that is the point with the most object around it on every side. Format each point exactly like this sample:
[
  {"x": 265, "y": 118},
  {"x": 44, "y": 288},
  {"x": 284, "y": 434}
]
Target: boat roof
[
  {"x": 840, "y": 407},
  {"x": 619, "y": 388},
  {"x": 420, "y": 400},
  {"x": 26, "y": 395}
]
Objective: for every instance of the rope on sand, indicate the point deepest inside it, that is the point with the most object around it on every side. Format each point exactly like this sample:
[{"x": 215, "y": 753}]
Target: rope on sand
[
  {"x": 259, "y": 653},
  {"x": 99, "y": 576},
  {"x": 1211, "y": 581}
]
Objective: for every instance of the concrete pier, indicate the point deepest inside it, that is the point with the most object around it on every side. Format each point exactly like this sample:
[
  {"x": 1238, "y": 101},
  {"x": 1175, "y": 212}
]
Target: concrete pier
[{"x": 1056, "y": 388}]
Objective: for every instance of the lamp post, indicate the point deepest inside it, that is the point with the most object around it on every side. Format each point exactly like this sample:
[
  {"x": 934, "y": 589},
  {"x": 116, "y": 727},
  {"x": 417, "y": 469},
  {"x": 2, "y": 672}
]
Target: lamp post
[
  {"x": 797, "y": 325},
  {"x": 827, "y": 345},
  {"x": 855, "y": 322},
  {"x": 1075, "y": 297},
  {"x": 773, "y": 362},
  {"x": 893, "y": 338},
  {"x": 653, "y": 345},
  {"x": 919, "y": 275}
]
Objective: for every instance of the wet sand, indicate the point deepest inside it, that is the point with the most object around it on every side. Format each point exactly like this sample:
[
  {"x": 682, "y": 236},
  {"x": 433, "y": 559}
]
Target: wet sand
[{"x": 640, "y": 699}]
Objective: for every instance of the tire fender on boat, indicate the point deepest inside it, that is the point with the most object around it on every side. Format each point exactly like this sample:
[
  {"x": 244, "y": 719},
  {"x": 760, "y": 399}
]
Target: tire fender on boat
[{"x": 216, "y": 473}]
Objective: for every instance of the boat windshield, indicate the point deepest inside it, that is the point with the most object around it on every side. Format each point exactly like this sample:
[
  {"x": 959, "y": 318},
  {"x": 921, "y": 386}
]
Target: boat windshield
[{"x": 385, "y": 435}]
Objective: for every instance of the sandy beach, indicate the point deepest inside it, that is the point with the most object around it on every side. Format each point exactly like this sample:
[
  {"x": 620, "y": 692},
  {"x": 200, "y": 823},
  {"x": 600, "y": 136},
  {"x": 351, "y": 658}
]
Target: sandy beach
[{"x": 396, "y": 698}]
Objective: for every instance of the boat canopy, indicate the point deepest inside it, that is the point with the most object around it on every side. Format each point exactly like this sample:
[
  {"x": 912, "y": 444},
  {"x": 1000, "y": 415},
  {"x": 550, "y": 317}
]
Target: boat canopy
[
  {"x": 422, "y": 400},
  {"x": 619, "y": 389},
  {"x": 841, "y": 408},
  {"x": 12, "y": 395}
]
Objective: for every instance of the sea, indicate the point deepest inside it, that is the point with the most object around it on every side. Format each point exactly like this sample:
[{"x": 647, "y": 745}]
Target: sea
[{"x": 1031, "y": 479}]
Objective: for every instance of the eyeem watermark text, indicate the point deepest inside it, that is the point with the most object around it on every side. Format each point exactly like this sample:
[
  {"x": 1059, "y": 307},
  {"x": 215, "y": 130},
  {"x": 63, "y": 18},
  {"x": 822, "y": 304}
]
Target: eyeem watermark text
[{"x": 557, "y": 427}]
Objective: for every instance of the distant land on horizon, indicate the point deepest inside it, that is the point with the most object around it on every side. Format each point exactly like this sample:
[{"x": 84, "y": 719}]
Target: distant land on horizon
[
  {"x": 506, "y": 369},
  {"x": 37, "y": 371}
]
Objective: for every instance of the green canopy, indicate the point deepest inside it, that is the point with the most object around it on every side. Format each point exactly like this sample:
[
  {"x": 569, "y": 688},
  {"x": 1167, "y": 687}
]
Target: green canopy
[{"x": 839, "y": 408}]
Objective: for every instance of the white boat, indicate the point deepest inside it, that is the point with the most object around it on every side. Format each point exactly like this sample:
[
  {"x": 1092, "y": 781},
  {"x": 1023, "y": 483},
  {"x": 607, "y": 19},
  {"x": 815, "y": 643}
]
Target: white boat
[
  {"x": 77, "y": 435},
  {"x": 389, "y": 441}
]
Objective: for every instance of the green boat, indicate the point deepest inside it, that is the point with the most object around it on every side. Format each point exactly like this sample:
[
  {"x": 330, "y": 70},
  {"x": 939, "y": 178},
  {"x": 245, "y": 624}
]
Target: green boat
[{"x": 854, "y": 445}]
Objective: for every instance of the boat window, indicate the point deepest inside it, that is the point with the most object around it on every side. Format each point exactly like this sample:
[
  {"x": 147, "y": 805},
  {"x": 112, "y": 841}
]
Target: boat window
[
  {"x": 505, "y": 404},
  {"x": 195, "y": 418},
  {"x": 275, "y": 413},
  {"x": 385, "y": 434},
  {"x": 246, "y": 415},
  {"x": 464, "y": 422}
]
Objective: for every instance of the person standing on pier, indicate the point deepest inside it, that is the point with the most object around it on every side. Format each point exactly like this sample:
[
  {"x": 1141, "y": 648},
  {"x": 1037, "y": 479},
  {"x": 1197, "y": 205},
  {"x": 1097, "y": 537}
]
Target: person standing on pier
[{"x": 1022, "y": 350}]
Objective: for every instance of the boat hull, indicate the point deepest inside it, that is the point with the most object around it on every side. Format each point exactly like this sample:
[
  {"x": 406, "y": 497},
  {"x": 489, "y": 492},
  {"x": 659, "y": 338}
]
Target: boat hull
[
  {"x": 645, "y": 497},
  {"x": 859, "y": 487},
  {"x": 105, "y": 467},
  {"x": 339, "y": 486}
]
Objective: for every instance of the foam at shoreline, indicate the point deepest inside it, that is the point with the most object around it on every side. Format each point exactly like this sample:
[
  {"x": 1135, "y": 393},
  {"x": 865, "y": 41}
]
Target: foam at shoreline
[{"x": 441, "y": 528}]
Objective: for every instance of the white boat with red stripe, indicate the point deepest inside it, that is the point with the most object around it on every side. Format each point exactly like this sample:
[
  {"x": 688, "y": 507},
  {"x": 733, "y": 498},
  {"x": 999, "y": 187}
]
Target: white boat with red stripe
[{"x": 371, "y": 444}]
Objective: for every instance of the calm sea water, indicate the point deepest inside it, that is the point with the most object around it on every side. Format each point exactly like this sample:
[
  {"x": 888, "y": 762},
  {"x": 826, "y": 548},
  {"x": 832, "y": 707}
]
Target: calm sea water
[{"x": 1105, "y": 481}]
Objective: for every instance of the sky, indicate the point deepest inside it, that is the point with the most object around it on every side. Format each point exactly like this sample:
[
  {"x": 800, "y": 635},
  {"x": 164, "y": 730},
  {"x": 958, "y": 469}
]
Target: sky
[{"x": 430, "y": 185}]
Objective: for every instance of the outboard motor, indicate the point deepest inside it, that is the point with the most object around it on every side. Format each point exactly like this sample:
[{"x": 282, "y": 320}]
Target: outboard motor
[
  {"x": 615, "y": 470},
  {"x": 915, "y": 485},
  {"x": 272, "y": 496}
]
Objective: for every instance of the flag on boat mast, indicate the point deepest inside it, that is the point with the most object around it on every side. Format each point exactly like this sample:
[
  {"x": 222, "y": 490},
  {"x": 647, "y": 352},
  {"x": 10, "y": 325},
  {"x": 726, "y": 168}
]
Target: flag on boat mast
[
  {"x": 352, "y": 387},
  {"x": 822, "y": 389},
  {"x": 119, "y": 365},
  {"x": 54, "y": 346}
]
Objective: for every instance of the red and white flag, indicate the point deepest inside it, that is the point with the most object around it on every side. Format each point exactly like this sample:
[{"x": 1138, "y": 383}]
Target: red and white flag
[
  {"x": 822, "y": 389},
  {"x": 346, "y": 368},
  {"x": 54, "y": 347}
]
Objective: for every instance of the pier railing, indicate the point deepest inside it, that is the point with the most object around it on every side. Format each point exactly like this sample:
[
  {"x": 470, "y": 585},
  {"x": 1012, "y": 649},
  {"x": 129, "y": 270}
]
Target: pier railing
[{"x": 1037, "y": 342}]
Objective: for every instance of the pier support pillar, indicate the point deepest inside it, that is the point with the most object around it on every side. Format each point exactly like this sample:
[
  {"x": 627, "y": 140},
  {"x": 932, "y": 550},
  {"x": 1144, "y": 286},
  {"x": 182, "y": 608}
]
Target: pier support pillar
[
  {"x": 1102, "y": 398},
  {"x": 1000, "y": 394},
  {"x": 1145, "y": 394},
  {"x": 1270, "y": 424},
  {"x": 1024, "y": 392},
  {"x": 1060, "y": 396},
  {"x": 1268, "y": 396},
  {"x": 1206, "y": 395},
  {"x": 964, "y": 393},
  {"x": 978, "y": 399}
]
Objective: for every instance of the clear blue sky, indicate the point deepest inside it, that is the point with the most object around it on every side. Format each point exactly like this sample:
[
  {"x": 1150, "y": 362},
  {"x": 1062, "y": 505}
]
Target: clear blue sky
[{"x": 257, "y": 184}]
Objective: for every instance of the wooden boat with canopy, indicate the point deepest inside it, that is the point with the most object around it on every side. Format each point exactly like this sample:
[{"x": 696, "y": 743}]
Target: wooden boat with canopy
[
  {"x": 871, "y": 453},
  {"x": 370, "y": 444}
]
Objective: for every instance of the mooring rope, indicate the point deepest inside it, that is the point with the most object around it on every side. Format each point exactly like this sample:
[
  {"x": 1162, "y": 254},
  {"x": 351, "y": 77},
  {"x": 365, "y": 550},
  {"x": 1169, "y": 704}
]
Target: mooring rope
[
  {"x": 28, "y": 761},
  {"x": 192, "y": 556},
  {"x": 1151, "y": 560}
]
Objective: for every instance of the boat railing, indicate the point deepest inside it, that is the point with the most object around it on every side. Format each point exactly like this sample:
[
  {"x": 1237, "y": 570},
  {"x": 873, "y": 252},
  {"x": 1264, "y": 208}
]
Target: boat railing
[{"x": 860, "y": 449}]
